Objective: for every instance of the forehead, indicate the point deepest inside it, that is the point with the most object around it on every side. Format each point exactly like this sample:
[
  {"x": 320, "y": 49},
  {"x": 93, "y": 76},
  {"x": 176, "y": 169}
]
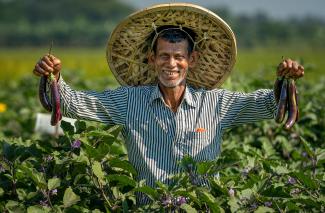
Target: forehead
[{"x": 167, "y": 46}]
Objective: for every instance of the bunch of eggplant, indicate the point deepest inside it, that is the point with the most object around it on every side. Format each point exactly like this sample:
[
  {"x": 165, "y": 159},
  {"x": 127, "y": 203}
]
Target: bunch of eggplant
[
  {"x": 53, "y": 104},
  {"x": 287, "y": 98}
]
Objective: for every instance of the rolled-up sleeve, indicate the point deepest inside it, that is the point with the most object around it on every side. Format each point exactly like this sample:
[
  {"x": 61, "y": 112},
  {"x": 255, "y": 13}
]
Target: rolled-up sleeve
[
  {"x": 239, "y": 108},
  {"x": 109, "y": 106}
]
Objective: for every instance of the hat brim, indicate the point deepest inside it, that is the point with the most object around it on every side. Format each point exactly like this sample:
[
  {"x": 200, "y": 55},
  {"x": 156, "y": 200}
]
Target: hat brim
[{"x": 128, "y": 46}]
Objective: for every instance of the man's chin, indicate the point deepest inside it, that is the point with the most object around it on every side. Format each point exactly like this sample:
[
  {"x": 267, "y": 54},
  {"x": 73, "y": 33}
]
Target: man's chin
[{"x": 172, "y": 84}]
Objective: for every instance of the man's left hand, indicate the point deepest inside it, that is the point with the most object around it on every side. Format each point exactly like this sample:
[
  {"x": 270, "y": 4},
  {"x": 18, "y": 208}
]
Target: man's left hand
[{"x": 290, "y": 69}]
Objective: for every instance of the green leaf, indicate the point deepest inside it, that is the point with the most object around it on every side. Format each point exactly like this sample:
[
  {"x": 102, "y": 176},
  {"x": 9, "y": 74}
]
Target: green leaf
[
  {"x": 188, "y": 163},
  {"x": 308, "y": 201},
  {"x": 97, "y": 153},
  {"x": 263, "y": 209},
  {"x": 307, "y": 147},
  {"x": 162, "y": 186},
  {"x": 15, "y": 207},
  {"x": 8, "y": 151},
  {"x": 70, "y": 198},
  {"x": 114, "y": 130},
  {"x": 53, "y": 183},
  {"x": 89, "y": 150},
  {"x": 217, "y": 187},
  {"x": 234, "y": 205},
  {"x": 100, "y": 133},
  {"x": 103, "y": 149},
  {"x": 246, "y": 193},
  {"x": 36, "y": 176},
  {"x": 150, "y": 192},
  {"x": 188, "y": 208},
  {"x": 321, "y": 158},
  {"x": 276, "y": 192},
  {"x": 118, "y": 149},
  {"x": 1, "y": 192},
  {"x": 123, "y": 164},
  {"x": 67, "y": 127},
  {"x": 291, "y": 206},
  {"x": 267, "y": 146},
  {"x": 79, "y": 177},
  {"x": 31, "y": 195},
  {"x": 80, "y": 126},
  {"x": 280, "y": 170},
  {"x": 125, "y": 206},
  {"x": 97, "y": 169},
  {"x": 38, "y": 209},
  {"x": 306, "y": 180},
  {"x": 203, "y": 167},
  {"x": 208, "y": 198},
  {"x": 122, "y": 180},
  {"x": 21, "y": 194}
]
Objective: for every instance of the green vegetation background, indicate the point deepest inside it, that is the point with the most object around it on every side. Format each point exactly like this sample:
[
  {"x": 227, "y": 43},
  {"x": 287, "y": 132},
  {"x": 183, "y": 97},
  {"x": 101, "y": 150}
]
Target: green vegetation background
[{"x": 80, "y": 30}]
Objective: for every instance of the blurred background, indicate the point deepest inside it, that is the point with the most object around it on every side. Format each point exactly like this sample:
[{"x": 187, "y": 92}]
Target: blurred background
[{"x": 265, "y": 31}]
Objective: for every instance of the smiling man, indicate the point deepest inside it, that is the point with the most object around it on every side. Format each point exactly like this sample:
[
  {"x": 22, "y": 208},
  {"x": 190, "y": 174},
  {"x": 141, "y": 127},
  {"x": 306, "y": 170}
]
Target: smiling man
[{"x": 170, "y": 58}]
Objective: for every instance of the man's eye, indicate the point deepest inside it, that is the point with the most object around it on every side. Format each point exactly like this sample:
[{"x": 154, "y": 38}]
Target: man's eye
[{"x": 164, "y": 57}]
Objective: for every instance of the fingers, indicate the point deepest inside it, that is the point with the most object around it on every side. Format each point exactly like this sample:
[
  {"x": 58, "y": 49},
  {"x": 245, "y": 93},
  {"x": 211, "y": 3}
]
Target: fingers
[
  {"x": 289, "y": 63},
  {"x": 281, "y": 68},
  {"x": 36, "y": 73},
  {"x": 290, "y": 69},
  {"x": 56, "y": 65},
  {"x": 39, "y": 71},
  {"x": 48, "y": 59},
  {"x": 295, "y": 65},
  {"x": 302, "y": 70},
  {"x": 46, "y": 65}
]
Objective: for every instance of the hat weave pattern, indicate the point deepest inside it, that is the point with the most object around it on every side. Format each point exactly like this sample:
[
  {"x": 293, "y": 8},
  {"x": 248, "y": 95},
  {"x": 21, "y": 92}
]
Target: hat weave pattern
[{"x": 128, "y": 47}]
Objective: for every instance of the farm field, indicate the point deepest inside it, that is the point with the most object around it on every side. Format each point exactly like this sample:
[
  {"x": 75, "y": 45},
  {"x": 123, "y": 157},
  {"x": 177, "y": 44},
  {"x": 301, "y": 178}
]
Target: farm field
[
  {"x": 262, "y": 167},
  {"x": 91, "y": 63}
]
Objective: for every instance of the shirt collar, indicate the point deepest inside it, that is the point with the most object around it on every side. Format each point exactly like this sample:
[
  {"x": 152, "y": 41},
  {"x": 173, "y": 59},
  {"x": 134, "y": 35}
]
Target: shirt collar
[{"x": 188, "y": 96}]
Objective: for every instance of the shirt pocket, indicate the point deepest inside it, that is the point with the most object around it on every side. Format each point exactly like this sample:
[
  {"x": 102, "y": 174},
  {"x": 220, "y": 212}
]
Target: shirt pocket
[
  {"x": 198, "y": 145},
  {"x": 197, "y": 135}
]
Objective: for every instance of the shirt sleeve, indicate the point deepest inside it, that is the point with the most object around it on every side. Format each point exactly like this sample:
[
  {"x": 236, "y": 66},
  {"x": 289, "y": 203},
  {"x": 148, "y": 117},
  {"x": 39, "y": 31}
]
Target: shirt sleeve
[
  {"x": 109, "y": 106},
  {"x": 239, "y": 108}
]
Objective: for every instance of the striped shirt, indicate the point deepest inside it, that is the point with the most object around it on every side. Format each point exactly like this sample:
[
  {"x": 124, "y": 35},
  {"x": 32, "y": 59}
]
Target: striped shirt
[{"x": 157, "y": 138}]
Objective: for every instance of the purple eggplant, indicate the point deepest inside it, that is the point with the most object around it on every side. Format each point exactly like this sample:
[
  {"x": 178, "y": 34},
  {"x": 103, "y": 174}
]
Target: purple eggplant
[{"x": 42, "y": 94}]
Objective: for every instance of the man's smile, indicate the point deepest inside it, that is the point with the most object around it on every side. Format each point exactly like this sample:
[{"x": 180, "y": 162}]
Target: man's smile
[{"x": 170, "y": 73}]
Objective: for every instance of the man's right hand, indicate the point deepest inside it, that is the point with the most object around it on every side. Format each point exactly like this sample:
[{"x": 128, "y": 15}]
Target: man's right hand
[{"x": 46, "y": 65}]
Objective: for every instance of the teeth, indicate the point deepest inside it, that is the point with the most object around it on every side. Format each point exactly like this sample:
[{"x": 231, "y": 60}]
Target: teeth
[{"x": 170, "y": 73}]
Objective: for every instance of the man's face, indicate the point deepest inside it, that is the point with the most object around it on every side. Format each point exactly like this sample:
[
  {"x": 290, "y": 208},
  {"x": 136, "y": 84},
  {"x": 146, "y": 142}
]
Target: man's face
[{"x": 171, "y": 62}]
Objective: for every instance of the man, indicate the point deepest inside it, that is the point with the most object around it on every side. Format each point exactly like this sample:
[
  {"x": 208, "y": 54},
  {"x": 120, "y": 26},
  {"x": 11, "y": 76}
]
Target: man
[{"x": 176, "y": 112}]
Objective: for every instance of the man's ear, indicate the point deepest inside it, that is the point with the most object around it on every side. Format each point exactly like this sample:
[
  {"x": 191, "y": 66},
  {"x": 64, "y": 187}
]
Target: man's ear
[
  {"x": 193, "y": 59},
  {"x": 151, "y": 58}
]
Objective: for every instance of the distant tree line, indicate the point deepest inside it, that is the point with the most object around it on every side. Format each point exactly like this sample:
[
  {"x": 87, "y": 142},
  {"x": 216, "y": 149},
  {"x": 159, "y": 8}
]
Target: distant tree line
[
  {"x": 67, "y": 22},
  {"x": 259, "y": 29},
  {"x": 89, "y": 23}
]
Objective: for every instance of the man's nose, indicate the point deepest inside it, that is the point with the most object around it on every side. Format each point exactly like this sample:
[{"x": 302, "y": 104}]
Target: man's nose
[{"x": 172, "y": 61}]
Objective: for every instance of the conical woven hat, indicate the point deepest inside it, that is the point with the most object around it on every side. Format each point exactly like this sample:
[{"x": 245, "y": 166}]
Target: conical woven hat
[{"x": 128, "y": 46}]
